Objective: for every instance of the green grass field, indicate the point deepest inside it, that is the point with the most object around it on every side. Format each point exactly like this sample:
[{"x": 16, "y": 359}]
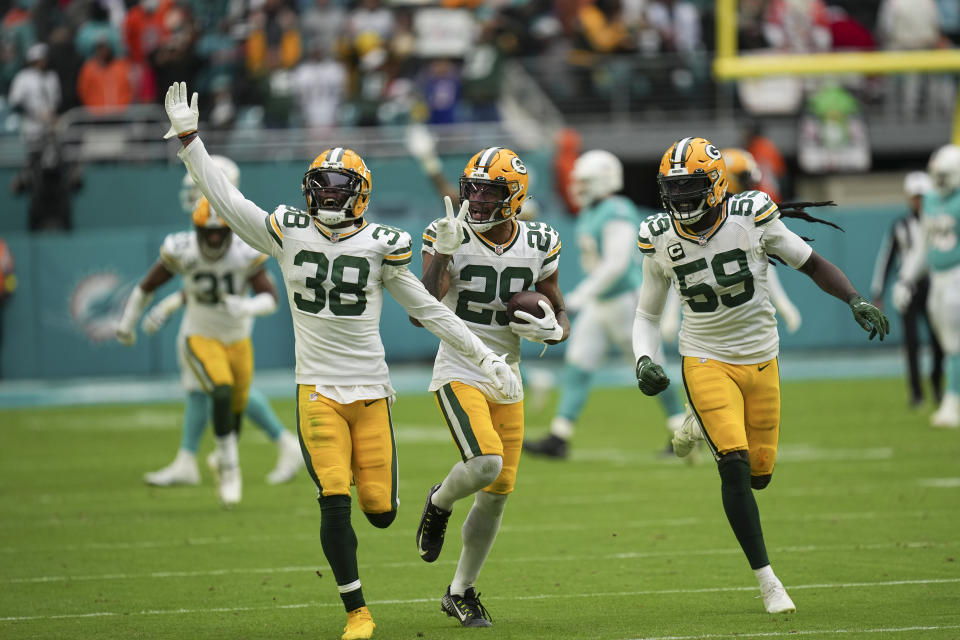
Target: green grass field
[{"x": 861, "y": 521}]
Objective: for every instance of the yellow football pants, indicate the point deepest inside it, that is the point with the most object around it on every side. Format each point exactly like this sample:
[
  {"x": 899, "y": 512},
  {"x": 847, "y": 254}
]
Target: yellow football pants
[
  {"x": 480, "y": 427},
  {"x": 738, "y": 406},
  {"x": 349, "y": 442},
  {"x": 215, "y": 364}
]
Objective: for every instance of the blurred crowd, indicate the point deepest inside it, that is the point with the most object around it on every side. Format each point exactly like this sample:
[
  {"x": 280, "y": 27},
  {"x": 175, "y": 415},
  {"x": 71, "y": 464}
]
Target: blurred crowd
[{"x": 324, "y": 63}]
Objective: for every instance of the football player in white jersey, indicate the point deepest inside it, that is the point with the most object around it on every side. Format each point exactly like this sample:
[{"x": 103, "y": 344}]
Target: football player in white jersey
[
  {"x": 474, "y": 269},
  {"x": 183, "y": 470},
  {"x": 214, "y": 341},
  {"x": 335, "y": 266},
  {"x": 714, "y": 250}
]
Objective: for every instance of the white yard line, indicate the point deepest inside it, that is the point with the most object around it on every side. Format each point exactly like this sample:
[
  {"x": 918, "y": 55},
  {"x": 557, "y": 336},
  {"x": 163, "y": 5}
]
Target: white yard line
[
  {"x": 810, "y": 632},
  {"x": 544, "y": 596},
  {"x": 731, "y": 550}
]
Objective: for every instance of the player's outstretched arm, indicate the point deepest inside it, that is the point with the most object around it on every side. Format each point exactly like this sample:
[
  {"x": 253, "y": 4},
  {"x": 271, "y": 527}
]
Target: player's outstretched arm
[
  {"x": 245, "y": 218},
  {"x": 831, "y": 279},
  {"x": 137, "y": 302},
  {"x": 443, "y": 323},
  {"x": 651, "y": 378}
]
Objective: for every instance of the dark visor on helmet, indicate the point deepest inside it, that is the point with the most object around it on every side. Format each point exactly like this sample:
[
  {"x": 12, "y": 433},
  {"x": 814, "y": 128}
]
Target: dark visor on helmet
[
  {"x": 483, "y": 191},
  {"x": 332, "y": 189},
  {"x": 683, "y": 187}
]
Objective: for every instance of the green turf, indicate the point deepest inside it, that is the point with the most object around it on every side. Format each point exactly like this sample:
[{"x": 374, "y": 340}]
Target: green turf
[{"x": 861, "y": 521}]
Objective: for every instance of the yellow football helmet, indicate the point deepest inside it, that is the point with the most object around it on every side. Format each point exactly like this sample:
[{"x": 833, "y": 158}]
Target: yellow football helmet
[
  {"x": 213, "y": 234},
  {"x": 337, "y": 186},
  {"x": 743, "y": 173},
  {"x": 692, "y": 178},
  {"x": 495, "y": 182}
]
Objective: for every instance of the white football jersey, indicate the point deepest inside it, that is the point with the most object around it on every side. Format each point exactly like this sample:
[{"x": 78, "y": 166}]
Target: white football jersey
[
  {"x": 721, "y": 276},
  {"x": 483, "y": 277},
  {"x": 206, "y": 282},
  {"x": 336, "y": 278}
]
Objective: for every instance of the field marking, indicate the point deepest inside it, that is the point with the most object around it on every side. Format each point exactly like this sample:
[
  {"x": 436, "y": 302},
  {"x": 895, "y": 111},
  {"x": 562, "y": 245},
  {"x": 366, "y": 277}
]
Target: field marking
[
  {"x": 939, "y": 483},
  {"x": 542, "y": 596},
  {"x": 630, "y": 555},
  {"x": 809, "y": 632}
]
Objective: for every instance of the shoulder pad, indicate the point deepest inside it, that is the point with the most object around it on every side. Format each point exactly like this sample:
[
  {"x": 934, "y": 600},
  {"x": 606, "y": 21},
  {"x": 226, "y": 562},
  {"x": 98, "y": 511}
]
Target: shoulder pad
[
  {"x": 289, "y": 217},
  {"x": 651, "y": 227},
  {"x": 553, "y": 242},
  {"x": 430, "y": 233},
  {"x": 174, "y": 249},
  {"x": 396, "y": 244},
  {"x": 753, "y": 204}
]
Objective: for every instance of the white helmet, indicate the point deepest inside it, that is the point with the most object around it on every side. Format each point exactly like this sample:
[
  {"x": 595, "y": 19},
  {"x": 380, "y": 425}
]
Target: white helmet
[
  {"x": 944, "y": 169},
  {"x": 190, "y": 194},
  {"x": 596, "y": 174},
  {"x": 917, "y": 183}
]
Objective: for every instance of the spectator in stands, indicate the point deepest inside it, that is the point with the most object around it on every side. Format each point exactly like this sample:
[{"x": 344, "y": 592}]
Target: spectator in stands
[
  {"x": 174, "y": 58},
  {"x": 483, "y": 72},
  {"x": 324, "y": 23},
  {"x": 8, "y": 283},
  {"x": 62, "y": 59},
  {"x": 904, "y": 25},
  {"x": 370, "y": 17},
  {"x": 900, "y": 242},
  {"x": 50, "y": 180},
  {"x": 144, "y": 30},
  {"x": 319, "y": 84},
  {"x": 17, "y": 35},
  {"x": 599, "y": 28},
  {"x": 104, "y": 83},
  {"x": 441, "y": 84},
  {"x": 773, "y": 168},
  {"x": 35, "y": 93},
  {"x": 96, "y": 29},
  {"x": 677, "y": 24},
  {"x": 274, "y": 42},
  {"x": 800, "y": 26}
]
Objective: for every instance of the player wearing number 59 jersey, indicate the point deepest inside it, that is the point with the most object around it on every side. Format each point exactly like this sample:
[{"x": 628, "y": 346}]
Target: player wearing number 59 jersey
[
  {"x": 714, "y": 250},
  {"x": 335, "y": 266}
]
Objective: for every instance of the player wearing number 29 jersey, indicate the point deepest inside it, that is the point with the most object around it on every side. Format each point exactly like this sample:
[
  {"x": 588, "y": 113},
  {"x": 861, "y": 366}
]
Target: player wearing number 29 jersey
[
  {"x": 714, "y": 250},
  {"x": 335, "y": 266}
]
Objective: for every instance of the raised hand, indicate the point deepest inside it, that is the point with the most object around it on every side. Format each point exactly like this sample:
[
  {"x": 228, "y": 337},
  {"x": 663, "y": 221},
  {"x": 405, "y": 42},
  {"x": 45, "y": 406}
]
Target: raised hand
[{"x": 450, "y": 229}]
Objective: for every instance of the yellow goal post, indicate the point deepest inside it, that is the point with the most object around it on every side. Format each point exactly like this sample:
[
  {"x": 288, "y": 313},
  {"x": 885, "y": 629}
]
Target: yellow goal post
[{"x": 729, "y": 65}]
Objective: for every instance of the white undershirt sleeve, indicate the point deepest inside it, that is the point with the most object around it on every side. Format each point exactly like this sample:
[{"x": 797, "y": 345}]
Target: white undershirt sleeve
[
  {"x": 653, "y": 296},
  {"x": 432, "y": 314}
]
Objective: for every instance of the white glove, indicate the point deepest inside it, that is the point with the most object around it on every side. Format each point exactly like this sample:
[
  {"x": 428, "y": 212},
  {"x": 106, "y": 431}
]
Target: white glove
[
  {"x": 127, "y": 327},
  {"x": 902, "y": 295},
  {"x": 261, "y": 304},
  {"x": 184, "y": 117},
  {"x": 450, "y": 229},
  {"x": 538, "y": 329},
  {"x": 498, "y": 371},
  {"x": 158, "y": 315}
]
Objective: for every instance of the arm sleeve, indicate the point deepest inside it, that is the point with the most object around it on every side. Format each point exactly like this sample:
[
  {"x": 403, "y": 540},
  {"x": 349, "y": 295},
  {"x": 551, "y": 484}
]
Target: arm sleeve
[
  {"x": 778, "y": 240},
  {"x": 246, "y": 219},
  {"x": 915, "y": 259},
  {"x": 615, "y": 256},
  {"x": 432, "y": 314},
  {"x": 653, "y": 296},
  {"x": 881, "y": 270}
]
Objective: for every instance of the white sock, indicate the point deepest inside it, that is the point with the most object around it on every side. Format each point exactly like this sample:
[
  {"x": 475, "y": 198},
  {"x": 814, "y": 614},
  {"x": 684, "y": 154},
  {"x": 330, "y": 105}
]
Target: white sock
[
  {"x": 227, "y": 450},
  {"x": 479, "y": 531},
  {"x": 765, "y": 575},
  {"x": 188, "y": 457},
  {"x": 561, "y": 427},
  {"x": 466, "y": 478}
]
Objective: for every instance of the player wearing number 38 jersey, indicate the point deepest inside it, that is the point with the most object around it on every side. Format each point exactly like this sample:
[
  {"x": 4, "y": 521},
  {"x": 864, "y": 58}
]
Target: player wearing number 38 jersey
[
  {"x": 714, "y": 249},
  {"x": 335, "y": 266}
]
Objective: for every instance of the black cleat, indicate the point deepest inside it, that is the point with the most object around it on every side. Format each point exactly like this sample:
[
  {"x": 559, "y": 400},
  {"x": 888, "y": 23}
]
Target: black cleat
[
  {"x": 433, "y": 526},
  {"x": 466, "y": 608},
  {"x": 550, "y": 446}
]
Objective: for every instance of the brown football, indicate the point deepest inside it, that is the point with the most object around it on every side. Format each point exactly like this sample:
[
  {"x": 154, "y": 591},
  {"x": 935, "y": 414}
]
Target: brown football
[{"x": 526, "y": 301}]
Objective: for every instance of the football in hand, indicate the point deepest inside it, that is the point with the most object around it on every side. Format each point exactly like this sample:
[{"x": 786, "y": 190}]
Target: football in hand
[{"x": 526, "y": 301}]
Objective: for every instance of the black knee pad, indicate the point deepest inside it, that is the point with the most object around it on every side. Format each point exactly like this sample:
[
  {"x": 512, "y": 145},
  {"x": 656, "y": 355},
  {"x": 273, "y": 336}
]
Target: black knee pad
[
  {"x": 382, "y": 520},
  {"x": 734, "y": 456},
  {"x": 760, "y": 482}
]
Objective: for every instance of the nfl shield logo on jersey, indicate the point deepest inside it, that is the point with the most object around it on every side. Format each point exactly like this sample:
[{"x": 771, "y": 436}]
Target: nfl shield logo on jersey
[{"x": 499, "y": 249}]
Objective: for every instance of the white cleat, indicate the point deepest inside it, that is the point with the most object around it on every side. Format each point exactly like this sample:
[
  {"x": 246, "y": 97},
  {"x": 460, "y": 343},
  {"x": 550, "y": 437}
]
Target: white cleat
[
  {"x": 948, "y": 415},
  {"x": 289, "y": 459},
  {"x": 183, "y": 470},
  {"x": 687, "y": 436},
  {"x": 230, "y": 488},
  {"x": 775, "y": 598}
]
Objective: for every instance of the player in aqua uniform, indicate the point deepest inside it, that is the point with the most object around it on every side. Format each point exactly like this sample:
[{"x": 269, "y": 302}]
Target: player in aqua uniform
[
  {"x": 941, "y": 255},
  {"x": 714, "y": 249},
  {"x": 605, "y": 301}
]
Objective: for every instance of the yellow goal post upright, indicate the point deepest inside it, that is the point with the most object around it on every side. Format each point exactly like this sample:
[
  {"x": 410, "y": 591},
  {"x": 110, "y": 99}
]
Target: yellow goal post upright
[{"x": 729, "y": 65}]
